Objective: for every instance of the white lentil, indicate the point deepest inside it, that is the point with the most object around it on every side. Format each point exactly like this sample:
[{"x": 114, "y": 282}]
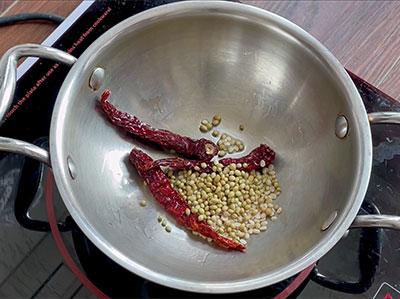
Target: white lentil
[
  {"x": 235, "y": 203},
  {"x": 221, "y": 153},
  {"x": 217, "y": 118},
  {"x": 203, "y": 128},
  {"x": 215, "y": 122}
]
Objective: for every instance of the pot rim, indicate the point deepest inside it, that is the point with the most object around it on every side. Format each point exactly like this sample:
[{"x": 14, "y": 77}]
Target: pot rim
[{"x": 333, "y": 234}]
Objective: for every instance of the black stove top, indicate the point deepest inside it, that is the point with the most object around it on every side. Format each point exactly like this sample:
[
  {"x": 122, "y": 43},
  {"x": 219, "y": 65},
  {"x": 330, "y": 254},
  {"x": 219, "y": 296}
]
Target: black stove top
[{"x": 366, "y": 263}]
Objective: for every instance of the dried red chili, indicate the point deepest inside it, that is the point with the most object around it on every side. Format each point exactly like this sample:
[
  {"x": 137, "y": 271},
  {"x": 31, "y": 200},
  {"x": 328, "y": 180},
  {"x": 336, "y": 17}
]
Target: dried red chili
[
  {"x": 253, "y": 160},
  {"x": 170, "y": 200},
  {"x": 201, "y": 149}
]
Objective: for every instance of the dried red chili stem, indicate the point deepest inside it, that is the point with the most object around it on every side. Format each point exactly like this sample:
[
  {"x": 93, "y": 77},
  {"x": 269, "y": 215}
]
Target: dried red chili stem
[
  {"x": 172, "y": 202},
  {"x": 201, "y": 149},
  {"x": 253, "y": 160}
]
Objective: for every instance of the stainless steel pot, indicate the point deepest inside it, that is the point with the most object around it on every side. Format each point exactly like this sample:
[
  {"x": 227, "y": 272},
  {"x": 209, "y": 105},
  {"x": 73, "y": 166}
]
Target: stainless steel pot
[{"x": 173, "y": 66}]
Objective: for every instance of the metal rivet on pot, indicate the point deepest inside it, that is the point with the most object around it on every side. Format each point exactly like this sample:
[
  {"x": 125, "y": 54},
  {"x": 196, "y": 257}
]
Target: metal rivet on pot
[
  {"x": 97, "y": 78},
  {"x": 328, "y": 222},
  {"x": 71, "y": 167},
  {"x": 341, "y": 126}
]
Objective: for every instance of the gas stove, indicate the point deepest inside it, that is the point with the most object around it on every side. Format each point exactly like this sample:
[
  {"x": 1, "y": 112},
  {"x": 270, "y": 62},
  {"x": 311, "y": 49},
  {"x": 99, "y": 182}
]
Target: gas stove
[{"x": 365, "y": 263}]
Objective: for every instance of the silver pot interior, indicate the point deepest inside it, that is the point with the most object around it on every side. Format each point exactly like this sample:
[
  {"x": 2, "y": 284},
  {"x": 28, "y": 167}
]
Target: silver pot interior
[{"x": 173, "y": 67}]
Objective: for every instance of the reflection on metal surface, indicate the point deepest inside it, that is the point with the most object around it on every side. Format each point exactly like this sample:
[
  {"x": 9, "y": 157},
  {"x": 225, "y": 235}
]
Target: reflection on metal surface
[
  {"x": 328, "y": 222},
  {"x": 112, "y": 162},
  {"x": 71, "y": 167},
  {"x": 97, "y": 78},
  {"x": 341, "y": 126}
]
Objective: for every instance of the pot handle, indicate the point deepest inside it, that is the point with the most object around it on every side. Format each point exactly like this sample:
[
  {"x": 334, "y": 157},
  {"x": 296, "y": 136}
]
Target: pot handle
[
  {"x": 379, "y": 221},
  {"x": 8, "y": 79},
  {"x": 31, "y": 177},
  {"x": 384, "y": 118},
  {"x": 25, "y": 148}
]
